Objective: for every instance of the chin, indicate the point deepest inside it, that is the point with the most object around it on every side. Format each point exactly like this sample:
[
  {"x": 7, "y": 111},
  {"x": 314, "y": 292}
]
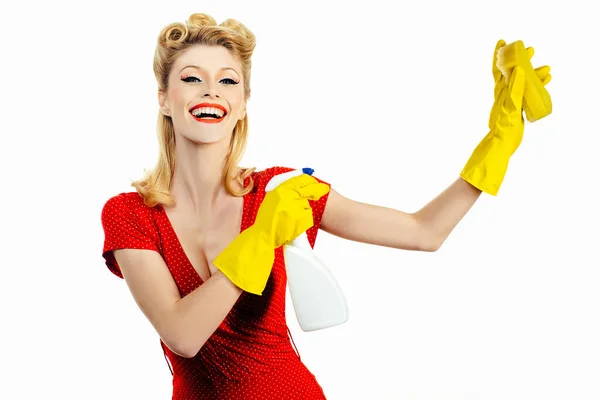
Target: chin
[
  {"x": 207, "y": 133},
  {"x": 205, "y": 138}
]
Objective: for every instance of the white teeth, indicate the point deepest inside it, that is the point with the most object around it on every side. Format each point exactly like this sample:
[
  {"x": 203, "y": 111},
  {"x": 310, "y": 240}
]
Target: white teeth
[{"x": 208, "y": 110}]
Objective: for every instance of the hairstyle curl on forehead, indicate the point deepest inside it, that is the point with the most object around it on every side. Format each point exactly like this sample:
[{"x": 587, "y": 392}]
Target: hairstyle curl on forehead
[{"x": 177, "y": 37}]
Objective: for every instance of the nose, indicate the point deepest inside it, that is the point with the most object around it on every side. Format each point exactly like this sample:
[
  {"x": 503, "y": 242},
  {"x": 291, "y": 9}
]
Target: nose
[{"x": 211, "y": 92}]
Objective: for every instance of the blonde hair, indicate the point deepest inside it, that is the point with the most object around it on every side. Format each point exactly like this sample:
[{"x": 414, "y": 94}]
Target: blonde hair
[{"x": 173, "y": 40}]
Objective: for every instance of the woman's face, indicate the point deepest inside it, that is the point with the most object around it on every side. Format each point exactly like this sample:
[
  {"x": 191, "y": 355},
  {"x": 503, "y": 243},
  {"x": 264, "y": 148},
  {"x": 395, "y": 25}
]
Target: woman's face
[{"x": 205, "y": 98}]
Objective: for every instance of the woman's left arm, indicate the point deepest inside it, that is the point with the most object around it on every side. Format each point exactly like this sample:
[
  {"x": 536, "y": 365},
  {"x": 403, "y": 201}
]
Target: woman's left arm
[
  {"x": 424, "y": 230},
  {"x": 428, "y": 228}
]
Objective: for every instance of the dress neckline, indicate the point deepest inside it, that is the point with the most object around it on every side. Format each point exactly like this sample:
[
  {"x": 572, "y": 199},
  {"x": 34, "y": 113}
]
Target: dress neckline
[{"x": 173, "y": 234}]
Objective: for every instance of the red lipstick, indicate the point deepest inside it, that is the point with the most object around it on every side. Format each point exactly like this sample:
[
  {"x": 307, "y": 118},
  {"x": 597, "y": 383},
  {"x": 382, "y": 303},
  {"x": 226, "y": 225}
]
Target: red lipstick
[{"x": 212, "y": 120}]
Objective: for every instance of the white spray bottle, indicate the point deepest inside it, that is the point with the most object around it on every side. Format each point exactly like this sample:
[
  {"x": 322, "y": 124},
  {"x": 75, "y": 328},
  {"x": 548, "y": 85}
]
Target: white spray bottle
[{"x": 318, "y": 299}]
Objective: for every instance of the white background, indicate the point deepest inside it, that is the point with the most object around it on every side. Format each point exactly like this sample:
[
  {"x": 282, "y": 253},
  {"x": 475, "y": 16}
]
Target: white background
[{"x": 384, "y": 103}]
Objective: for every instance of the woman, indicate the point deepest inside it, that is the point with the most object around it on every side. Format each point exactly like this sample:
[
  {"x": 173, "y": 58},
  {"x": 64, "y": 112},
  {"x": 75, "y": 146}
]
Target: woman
[{"x": 213, "y": 283}]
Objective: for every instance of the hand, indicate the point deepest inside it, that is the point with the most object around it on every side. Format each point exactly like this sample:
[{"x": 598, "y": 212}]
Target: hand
[
  {"x": 283, "y": 215},
  {"x": 488, "y": 163},
  {"x": 285, "y": 212},
  {"x": 500, "y": 82}
]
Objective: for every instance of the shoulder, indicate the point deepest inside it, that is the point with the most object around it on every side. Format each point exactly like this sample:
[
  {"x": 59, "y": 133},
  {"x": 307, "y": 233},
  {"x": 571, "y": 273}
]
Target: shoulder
[
  {"x": 125, "y": 204},
  {"x": 128, "y": 199},
  {"x": 261, "y": 178}
]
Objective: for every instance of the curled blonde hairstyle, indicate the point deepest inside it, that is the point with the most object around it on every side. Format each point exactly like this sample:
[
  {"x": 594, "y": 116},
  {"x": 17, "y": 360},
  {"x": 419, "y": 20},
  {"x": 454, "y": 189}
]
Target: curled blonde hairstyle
[{"x": 173, "y": 40}]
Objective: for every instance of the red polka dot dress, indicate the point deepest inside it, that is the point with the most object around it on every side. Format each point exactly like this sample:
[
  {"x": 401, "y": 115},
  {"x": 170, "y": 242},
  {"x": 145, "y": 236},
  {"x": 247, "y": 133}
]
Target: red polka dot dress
[{"x": 250, "y": 355}]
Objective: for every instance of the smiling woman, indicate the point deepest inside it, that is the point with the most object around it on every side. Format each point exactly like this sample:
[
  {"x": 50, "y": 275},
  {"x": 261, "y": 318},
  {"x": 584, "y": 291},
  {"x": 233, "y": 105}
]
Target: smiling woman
[
  {"x": 219, "y": 76},
  {"x": 199, "y": 243},
  {"x": 186, "y": 241}
]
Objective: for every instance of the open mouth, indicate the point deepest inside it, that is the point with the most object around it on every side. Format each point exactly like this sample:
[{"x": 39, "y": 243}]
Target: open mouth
[{"x": 210, "y": 113}]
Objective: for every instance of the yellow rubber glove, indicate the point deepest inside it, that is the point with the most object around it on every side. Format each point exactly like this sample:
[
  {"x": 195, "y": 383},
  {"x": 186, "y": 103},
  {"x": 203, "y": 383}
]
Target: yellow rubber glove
[
  {"x": 284, "y": 214},
  {"x": 542, "y": 73},
  {"x": 537, "y": 102},
  {"x": 488, "y": 163}
]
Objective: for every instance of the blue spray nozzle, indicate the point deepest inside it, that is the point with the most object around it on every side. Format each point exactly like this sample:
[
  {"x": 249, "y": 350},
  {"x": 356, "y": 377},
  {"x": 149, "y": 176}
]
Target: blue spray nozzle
[{"x": 308, "y": 171}]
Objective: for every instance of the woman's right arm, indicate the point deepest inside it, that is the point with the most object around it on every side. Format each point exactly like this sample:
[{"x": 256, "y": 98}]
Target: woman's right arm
[{"x": 183, "y": 324}]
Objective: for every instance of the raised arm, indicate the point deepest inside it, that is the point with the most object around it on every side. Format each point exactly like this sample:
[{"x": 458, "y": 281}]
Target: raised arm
[
  {"x": 428, "y": 228},
  {"x": 424, "y": 230}
]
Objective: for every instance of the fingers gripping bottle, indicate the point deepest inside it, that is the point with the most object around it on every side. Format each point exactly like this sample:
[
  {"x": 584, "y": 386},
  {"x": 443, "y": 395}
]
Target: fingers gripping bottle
[{"x": 317, "y": 298}]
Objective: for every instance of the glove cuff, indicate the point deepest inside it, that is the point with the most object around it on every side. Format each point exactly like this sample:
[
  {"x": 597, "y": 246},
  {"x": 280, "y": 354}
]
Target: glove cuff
[
  {"x": 487, "y": 165},
  {"x": 247, "y": 261}
]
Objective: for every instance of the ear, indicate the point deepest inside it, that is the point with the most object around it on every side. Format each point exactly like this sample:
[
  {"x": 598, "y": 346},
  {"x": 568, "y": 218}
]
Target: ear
[{"x": 163, "y": 103}]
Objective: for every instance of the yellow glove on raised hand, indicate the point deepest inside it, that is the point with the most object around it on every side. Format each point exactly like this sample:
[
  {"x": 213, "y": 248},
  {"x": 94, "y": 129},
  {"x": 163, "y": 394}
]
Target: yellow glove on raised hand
[
  {"x": 501, "y": 81},
  {"x": 537, "y": 102},
  {"x": 284, "y": 214},
  {"x": 488, "y": 163}
]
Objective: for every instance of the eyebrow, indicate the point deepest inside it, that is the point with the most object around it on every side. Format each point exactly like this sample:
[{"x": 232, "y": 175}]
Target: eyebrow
[{"x": 201, "y": 69}]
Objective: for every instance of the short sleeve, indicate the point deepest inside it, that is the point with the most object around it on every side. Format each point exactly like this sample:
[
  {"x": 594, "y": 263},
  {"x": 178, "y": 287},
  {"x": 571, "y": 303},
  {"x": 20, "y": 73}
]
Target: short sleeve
[
  {"x": 318, "y": 208},
  {"x": 123, "y": 229}
]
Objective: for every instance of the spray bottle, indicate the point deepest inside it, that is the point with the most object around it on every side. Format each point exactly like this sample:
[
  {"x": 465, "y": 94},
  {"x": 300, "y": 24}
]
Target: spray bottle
[{"x": 317, "y": 298}]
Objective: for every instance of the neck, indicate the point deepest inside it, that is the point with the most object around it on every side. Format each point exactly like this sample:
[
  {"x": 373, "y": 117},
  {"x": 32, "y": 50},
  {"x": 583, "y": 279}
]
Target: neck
[{"x": 197, "y": 183}]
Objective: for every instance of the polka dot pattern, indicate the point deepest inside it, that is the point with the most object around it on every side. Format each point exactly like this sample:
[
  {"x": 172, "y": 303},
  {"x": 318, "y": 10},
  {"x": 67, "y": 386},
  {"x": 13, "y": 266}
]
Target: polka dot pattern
[{"x": 250, "y": 355}]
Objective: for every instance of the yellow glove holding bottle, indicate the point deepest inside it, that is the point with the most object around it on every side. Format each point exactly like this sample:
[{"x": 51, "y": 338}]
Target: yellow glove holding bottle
[
  {"x": 284, "y": 214},
  {"x": 488, "y": 163}
]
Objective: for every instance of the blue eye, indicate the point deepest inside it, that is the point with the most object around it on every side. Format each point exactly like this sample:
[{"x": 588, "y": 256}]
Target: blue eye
[
  {"x": 225, "y": 81},
  {"x": 229, "y": 81},
  {"x": 189, "y": 79}
]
